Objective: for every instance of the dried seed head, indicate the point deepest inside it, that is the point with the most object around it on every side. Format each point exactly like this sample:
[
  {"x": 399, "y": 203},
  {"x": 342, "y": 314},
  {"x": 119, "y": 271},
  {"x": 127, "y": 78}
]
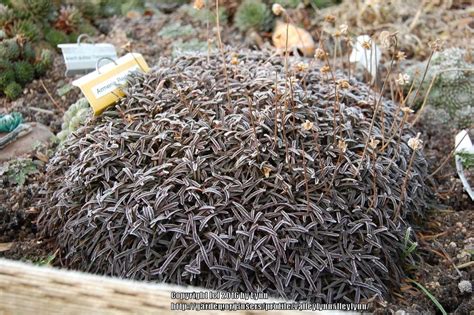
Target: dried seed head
[
  {"x": 301, "y": 67},
  {"x": 291, "y": 81},
  {"x": 415, "y": 143},
  {"x": 366, "y": 44},
  {"x": 400, "y": 56},
  {"x": 330, "y": 18},
  {"x": 436, "y": 45},
  {"x": 277, "y": 9},
  {"x": 307, "y": 125},
  {"x": 403, "y": 79},
  {"x": 127, "y": 47},
  {"x": 406, "y": 110},
  {"x": 325, "y": 69},
  {"x": 320, "y": 54},
  {"x": 343, "y": 84},
  {"x": 373, "y": 143},
  {"x": 199, "y": 4},
  {"x": 266, "y": 171},
  {"x": 342, "y": 145},
  {"x": 129, "y": 118}
]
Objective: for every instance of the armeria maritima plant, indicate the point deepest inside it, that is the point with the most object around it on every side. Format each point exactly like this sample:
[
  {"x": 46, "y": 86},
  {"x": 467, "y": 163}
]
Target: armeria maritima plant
[{"x": 263, "y": 193}]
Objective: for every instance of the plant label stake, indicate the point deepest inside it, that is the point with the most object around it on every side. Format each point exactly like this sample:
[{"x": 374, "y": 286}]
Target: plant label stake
[
  {"x": 463, "y": 146},
  {"x": 81, "y": 58},
  {"x": 103, "y": 87}
]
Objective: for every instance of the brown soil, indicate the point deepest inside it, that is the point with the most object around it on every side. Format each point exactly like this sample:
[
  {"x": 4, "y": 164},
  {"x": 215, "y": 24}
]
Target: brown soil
[{"x": 445, "y": 235}]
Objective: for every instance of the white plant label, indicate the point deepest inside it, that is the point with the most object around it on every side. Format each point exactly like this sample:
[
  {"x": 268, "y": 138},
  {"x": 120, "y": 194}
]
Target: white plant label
[
  {"x": 82, "y": 57},
  {"x": 463, "y": 144}
]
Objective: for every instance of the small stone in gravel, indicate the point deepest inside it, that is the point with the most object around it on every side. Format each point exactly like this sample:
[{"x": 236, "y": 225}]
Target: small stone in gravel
[{"x": 465, "y": 286}]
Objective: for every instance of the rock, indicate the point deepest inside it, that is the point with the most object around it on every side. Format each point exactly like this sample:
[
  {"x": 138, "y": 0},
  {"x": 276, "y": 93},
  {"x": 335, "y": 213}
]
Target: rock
[
  {"x": 298, "y": 39},
  {"x": 40, "y": 134},
  {"x": 465, "y": 286}
]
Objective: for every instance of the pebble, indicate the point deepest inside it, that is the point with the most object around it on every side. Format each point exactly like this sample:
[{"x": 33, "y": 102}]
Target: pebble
[{"x": 465, "y": 286}]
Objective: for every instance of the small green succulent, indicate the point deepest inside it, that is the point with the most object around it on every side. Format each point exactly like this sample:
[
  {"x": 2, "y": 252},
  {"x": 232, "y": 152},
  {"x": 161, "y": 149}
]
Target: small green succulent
[
  {"x": 28, "y": 52},
  {"x": 6, "y": 14},
  {"x": 9, "y": 122},
  {"x": 74, "y": 117},
  {"x": 9, "y": 49},
  {"x": 453, "y": 85},
  {"x": 55, "y": 37},
  {"x": 38, "y": 10},
  {"x": 205, "y": 14},
  {"x": 27, "y": 29},
  {"x": 7, "y": 75},
  {"x": 24, "y": 72},
  {"x": 110, "y": 7},
  {"x": 45, "y": 62},
  {"x": 13, "y": 90},
  {"x": 176, "y": 30},
  {"x": 193, "y": 46},
  {"x": 321, "y": 4},
  {"x": 291, "y": 4},
  {"x": 90, "y": 9},
  {"x": 132, "y": 5},
  {"x": 253, "y": 14}
]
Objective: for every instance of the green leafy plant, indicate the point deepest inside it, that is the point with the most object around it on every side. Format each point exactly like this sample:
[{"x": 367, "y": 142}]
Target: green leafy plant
[
  {"x": 17, "y": 171},
  {"x": 408, "y": 245},
  {"x": 467, "y": 159},
  {"x": 47, "y": 261},
  {"x": 253, "y": 14}
]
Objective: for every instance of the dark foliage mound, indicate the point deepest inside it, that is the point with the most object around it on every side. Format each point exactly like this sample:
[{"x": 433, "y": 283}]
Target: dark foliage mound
[{"x": 189, "y": 180}]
